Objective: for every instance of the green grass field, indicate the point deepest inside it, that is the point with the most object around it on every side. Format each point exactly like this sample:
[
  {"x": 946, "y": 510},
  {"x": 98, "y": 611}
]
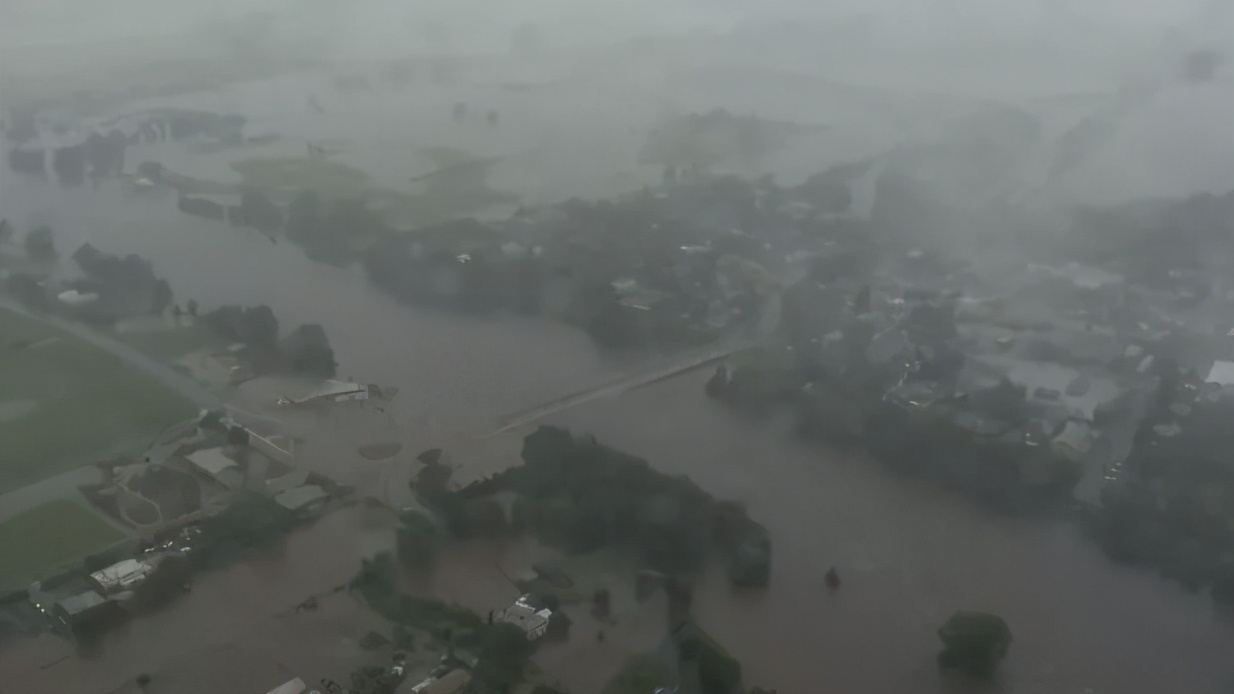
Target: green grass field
[
  {"x": 64, "y": 403},
  {"x": 50, "y": 538}
]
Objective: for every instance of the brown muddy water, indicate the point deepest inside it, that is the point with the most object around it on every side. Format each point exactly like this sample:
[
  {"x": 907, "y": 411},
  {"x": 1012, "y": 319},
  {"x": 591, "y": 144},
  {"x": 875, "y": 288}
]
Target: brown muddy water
[{"x": 909, "y": 553}]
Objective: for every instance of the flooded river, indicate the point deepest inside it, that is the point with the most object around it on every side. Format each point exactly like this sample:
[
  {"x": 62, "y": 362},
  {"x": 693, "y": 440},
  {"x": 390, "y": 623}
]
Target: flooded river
[{"x": 910, "y": 554}]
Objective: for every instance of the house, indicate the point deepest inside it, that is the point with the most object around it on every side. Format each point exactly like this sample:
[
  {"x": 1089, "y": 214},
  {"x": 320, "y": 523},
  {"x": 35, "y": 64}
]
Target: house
[
  {"x": 278, "y": 448},
  {"x": 82, "y": 608},
  {"x": 121, "y": 576},
  {"x": 522, "y": 614},
  {"x": 303, "y": 499},
  {"x": 1221, "y": 373},
  {"x": 218, "y": 465},
  {"x": 342, "y": 391}
]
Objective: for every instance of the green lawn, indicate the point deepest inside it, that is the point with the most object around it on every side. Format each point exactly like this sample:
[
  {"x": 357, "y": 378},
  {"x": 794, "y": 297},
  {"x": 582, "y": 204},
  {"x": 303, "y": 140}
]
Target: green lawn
[
  {"x": 69, "y": 403},
  {"x": 50, "y": 538}
]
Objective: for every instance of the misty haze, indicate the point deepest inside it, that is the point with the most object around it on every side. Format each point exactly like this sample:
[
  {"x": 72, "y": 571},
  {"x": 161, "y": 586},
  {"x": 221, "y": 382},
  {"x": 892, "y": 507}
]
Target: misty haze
[{"x": 568, "y": 346}]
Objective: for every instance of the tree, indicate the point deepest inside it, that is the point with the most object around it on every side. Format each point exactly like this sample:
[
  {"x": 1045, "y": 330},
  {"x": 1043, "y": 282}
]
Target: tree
[
  {"x": 252, "y": 521},
  {"x": 403, "y": 638},
  {"x": 238, "y": 436},
  {"x": 307, "y": 351},
  {"x": 503, "y": 653},
  {"x": 974, "y": 642},
  {"x": 40, "y": 244},
  {"x": 163, "y": 584},
  {"x": 254, "y": 325},
  {"x": 417, "y": 540}
]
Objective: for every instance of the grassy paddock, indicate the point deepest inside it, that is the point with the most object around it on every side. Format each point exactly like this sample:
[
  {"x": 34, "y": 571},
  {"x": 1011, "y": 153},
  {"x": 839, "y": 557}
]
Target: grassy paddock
[
  {"x": 78, "y": 403},
  {"x": 49, "y": 538}
]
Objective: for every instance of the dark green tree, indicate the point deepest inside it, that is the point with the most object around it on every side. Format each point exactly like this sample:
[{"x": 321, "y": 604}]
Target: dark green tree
[
  {"x": 417, "y": 540},
  {"x": 974, "y": 642},
  {"x": 163, "y": 584},
  {"x": 503, "y": 654}
]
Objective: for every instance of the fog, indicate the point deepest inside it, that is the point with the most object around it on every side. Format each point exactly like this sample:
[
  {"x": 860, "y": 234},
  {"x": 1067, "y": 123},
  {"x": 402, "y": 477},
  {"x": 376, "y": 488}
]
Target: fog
[{"x": 1057, "y": 175}]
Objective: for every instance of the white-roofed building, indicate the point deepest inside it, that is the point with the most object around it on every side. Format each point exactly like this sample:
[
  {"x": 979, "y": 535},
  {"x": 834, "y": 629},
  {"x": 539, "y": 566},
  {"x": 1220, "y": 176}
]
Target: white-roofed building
[
  {"x": 305, "y": 498},
  {"x": 121, "y": 576},
  {"x": 218, "y": 465},
  {"x": 523, "y": 615},
  {"x": 1222, "y": 373}
]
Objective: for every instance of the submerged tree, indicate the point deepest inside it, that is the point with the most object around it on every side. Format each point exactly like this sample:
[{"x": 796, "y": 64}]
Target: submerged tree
[
  {"x": 974, "y": 642},
  {"x": 417, "y": 539},
  {"x": 503, "y": 654}
]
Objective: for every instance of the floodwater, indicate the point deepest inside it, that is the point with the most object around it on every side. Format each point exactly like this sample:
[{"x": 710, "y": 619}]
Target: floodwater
[
  {"x": 238, "y": 630},
  {"x": 909, "y": 553}
]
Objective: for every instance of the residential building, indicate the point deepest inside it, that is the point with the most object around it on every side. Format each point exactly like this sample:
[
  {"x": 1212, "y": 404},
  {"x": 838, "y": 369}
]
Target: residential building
[
  {"x": 218, "y": 465},
  {"x": 533, "y": 622},
  {"x": 121, "y": 576}
]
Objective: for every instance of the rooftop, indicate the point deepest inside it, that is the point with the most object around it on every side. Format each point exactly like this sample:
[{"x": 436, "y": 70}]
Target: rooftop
[
  {"x": 211, "y": 460},
  {"x": 521, "y": 614},
  {"x": 301, "y": 497},
  {"x": 121, "y": 574},
  {"x": 449, "y": 683},
  {"x": 82, "y": 602},
  {"x": 1222, "y": 373}
]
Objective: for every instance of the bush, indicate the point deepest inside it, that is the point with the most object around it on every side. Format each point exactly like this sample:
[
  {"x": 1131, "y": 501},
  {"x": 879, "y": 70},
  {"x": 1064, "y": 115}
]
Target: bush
[
  {"x": 252, "y": 521},
  {"x": 503, "y": 654},
  {"x": 254, "y": 325},
  {"x": 165, "y": 583},
  {"x": 975, "y": 642}
]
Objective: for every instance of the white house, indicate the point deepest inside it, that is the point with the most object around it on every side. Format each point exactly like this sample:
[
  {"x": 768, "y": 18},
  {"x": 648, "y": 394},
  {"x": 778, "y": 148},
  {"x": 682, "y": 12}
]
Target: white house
[
  {"x": 533, "y": 622},
  {"x": 122, "y": 575}
]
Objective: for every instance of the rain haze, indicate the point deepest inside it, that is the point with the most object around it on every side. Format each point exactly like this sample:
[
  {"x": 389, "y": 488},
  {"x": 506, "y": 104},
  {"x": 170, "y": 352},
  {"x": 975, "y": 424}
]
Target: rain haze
[{"x": 691, "y": 346}]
